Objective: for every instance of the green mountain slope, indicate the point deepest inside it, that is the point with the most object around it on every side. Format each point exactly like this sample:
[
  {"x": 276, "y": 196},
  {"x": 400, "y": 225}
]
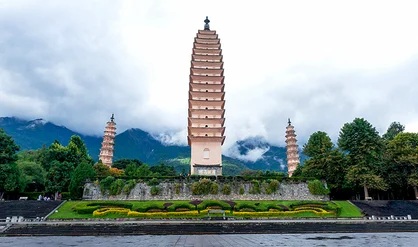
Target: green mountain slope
[{"x": 138, "y": 144}]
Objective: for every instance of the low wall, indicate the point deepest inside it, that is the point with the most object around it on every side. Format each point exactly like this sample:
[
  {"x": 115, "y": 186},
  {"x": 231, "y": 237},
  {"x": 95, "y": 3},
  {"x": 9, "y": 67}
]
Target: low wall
[
  {"x": 189, "y": 227},
  {"x": 142, "y": 191}
]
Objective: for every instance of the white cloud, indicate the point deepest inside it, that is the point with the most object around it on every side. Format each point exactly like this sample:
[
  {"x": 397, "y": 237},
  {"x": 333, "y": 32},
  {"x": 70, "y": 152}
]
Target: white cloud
[
  {"x": 321, "y": 63},
  {"x": 252, "y": 155}
]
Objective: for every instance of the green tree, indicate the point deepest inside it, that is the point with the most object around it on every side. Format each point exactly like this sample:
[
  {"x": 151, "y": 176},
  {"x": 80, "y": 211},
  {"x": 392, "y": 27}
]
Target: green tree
[
  {"x": 143, "y": 171},
  {"x": 298, "y": 171},
  {"x": 319, "y": 143},
  {"x": 34, "y": 175},
  {"x": 123, "y": 163},
  {"x": 81, "y": 173},
  {"x": 11, "y": 179},
  {"x": 401, "y": 164},
  {"x": 130, "y": 170},
  {"x": 364, "y": 148},
  {"x": 163, "y": 170},
  {"x": 394, "y": 129},
  {"x": 10, "y": 175},
  {"x": 101, "y": 169},
  {"x": 74, "y": 153},
  {"x": 8, "y": 148},
  {"x": 325, "y": 162},
  {"x": 79, "y": 150},
  {"x": 58, "y": 177}
]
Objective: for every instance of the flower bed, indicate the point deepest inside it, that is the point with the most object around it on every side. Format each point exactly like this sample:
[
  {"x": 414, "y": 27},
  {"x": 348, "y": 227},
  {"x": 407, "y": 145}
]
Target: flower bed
[{"x": 199, "y": 209}]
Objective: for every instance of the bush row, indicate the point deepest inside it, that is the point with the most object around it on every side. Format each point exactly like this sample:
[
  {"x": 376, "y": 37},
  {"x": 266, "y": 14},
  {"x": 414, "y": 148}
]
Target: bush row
[
  {"x": 301, "y": 213},
  {"x": 203, "y": 205}
]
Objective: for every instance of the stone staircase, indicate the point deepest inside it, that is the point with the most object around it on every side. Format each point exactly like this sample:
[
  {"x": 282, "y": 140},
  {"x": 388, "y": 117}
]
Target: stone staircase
[
  {"x": 26, "y": 209},
  {"x": 381, "y": 208}
]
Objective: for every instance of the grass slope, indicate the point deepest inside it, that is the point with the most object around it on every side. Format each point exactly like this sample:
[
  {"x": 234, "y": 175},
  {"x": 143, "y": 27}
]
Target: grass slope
[{"x": 348, "y": 210}]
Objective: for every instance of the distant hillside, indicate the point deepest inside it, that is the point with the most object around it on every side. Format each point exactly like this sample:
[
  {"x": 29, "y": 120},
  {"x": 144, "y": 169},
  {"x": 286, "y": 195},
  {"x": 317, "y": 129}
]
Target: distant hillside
[
  {"x": 35, "y": 133},
  {"x": 135, "y": 143}
]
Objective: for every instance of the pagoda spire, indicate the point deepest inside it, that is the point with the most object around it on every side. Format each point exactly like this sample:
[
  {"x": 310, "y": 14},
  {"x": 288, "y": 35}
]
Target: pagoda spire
[
  {"x": 292, "y": 151},
  {"x": 206, "y": 104},
  {"x": 108, "y": 144},
  {"x": 207, "y": 24}
]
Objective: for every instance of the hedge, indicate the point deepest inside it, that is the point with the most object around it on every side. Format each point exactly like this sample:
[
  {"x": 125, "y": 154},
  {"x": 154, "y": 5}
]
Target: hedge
[
  {"x": 86, "y": 209},
  {"x": 328, "y": 206},
  {"x": 162, "y": 214},
  {"x": 278, "y": 214},
  {"x": 172, "y": 208},
  {"x": 106, "y": 211},
  {"x": 211, "y": 203},
  {"x": 112, "y": 204}
]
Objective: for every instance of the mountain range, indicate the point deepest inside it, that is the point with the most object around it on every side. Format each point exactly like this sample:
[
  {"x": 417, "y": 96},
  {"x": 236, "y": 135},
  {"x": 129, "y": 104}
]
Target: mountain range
[{"x": 251, "y": 153}]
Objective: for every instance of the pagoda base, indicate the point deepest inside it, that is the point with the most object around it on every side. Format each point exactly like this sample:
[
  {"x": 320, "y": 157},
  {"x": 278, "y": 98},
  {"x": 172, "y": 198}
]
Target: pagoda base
[{"x": 207, "y": 170}]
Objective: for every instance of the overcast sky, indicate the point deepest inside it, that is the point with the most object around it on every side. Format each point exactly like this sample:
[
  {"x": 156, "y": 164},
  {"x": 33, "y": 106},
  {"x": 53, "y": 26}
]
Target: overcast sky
[{"x": 321, "y": 63}]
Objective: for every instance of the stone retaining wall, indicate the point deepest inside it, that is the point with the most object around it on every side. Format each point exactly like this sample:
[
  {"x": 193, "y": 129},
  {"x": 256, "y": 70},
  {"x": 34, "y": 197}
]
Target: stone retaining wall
[{"x": 141, "y": 191}]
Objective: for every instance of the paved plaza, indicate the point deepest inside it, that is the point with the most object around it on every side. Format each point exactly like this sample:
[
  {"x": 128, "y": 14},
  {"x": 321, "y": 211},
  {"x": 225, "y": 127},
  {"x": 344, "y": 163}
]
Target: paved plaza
[{"x": 241, "y": 240}]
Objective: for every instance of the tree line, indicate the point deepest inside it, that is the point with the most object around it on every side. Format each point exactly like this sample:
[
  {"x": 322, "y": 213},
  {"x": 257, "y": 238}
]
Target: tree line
[
  {"x": 364, "y": 164},
  {"x": 60, "y": 168}
]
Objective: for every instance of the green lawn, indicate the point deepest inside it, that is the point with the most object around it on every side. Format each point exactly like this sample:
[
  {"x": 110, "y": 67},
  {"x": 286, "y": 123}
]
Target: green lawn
[
  {"x": 66, "y": 211},
  {"x": 348, "y": 210}
]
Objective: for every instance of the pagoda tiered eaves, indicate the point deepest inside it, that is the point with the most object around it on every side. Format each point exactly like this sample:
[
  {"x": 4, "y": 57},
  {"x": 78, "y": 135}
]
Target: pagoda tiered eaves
[
  {"x": 205, "y": 121},
  {"x": 206, "y": 41},
  {"x": 292, "y": 151},
  {"x": 204, "y": 130},
  {"x": 208, "y": 72},
  {"x": 210, "y": 112},
  {"x": 206, "y": 103},
  {"x": 206, "y": 139},
  {"x": 208, "y": 65},
  {"x": 201, "y": 86},
  {"x": 216, "y": 95},
  {"x": 207, "y": 58},
  {"x": 106, "y": 151},
  {"x": 201, "y": 104}
]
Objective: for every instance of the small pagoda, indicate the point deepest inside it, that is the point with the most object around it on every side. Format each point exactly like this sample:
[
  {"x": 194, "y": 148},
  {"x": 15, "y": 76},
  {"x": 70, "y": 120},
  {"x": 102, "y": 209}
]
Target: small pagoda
[
  {"x": 206, "y": 104},
  {"x": 292, "y": 151},
  {"x": 108, "y": 144}
]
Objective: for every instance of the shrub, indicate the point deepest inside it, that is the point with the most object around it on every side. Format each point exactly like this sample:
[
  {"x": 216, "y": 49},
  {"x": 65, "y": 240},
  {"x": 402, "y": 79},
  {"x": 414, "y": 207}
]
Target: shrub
[
  {"x": 212, "y": 203},
  {"x": 116, "y": 187},
  {"x": 153, "y": 182},
  {"x": 177, "y": 188},
  {"x": 241, "y": 190},
  {"x": 105, "y": 183},
  {"x": 203, "y": 187},
  {"x": 274, "y": 185},
  {"x": 155, "y": 190},
  {"x": 106, "y": 211},
  {"x": 162, "y": 214},
  {"x": 182, "y": 205},
  {"x": 214, "y": 188},
  {"x": 266, "y": 187},
  {"x": 296, "y": 204},
  {"x": 145, "y": 207},
  {"x": 244, "y": 205},
  {"x": 111, "y": 204},
  {"x": 301, "y": 213},
  {"x": 317, "y": 188},
  {"x": 255, "y": 187},
  {"x": 195, "y": 203},
  {"x": 231, "y": 203},
  {"x": 130, "y": 184},
  {"x": 86, "y": 210},
  {"x": 226, "y": 189}
]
